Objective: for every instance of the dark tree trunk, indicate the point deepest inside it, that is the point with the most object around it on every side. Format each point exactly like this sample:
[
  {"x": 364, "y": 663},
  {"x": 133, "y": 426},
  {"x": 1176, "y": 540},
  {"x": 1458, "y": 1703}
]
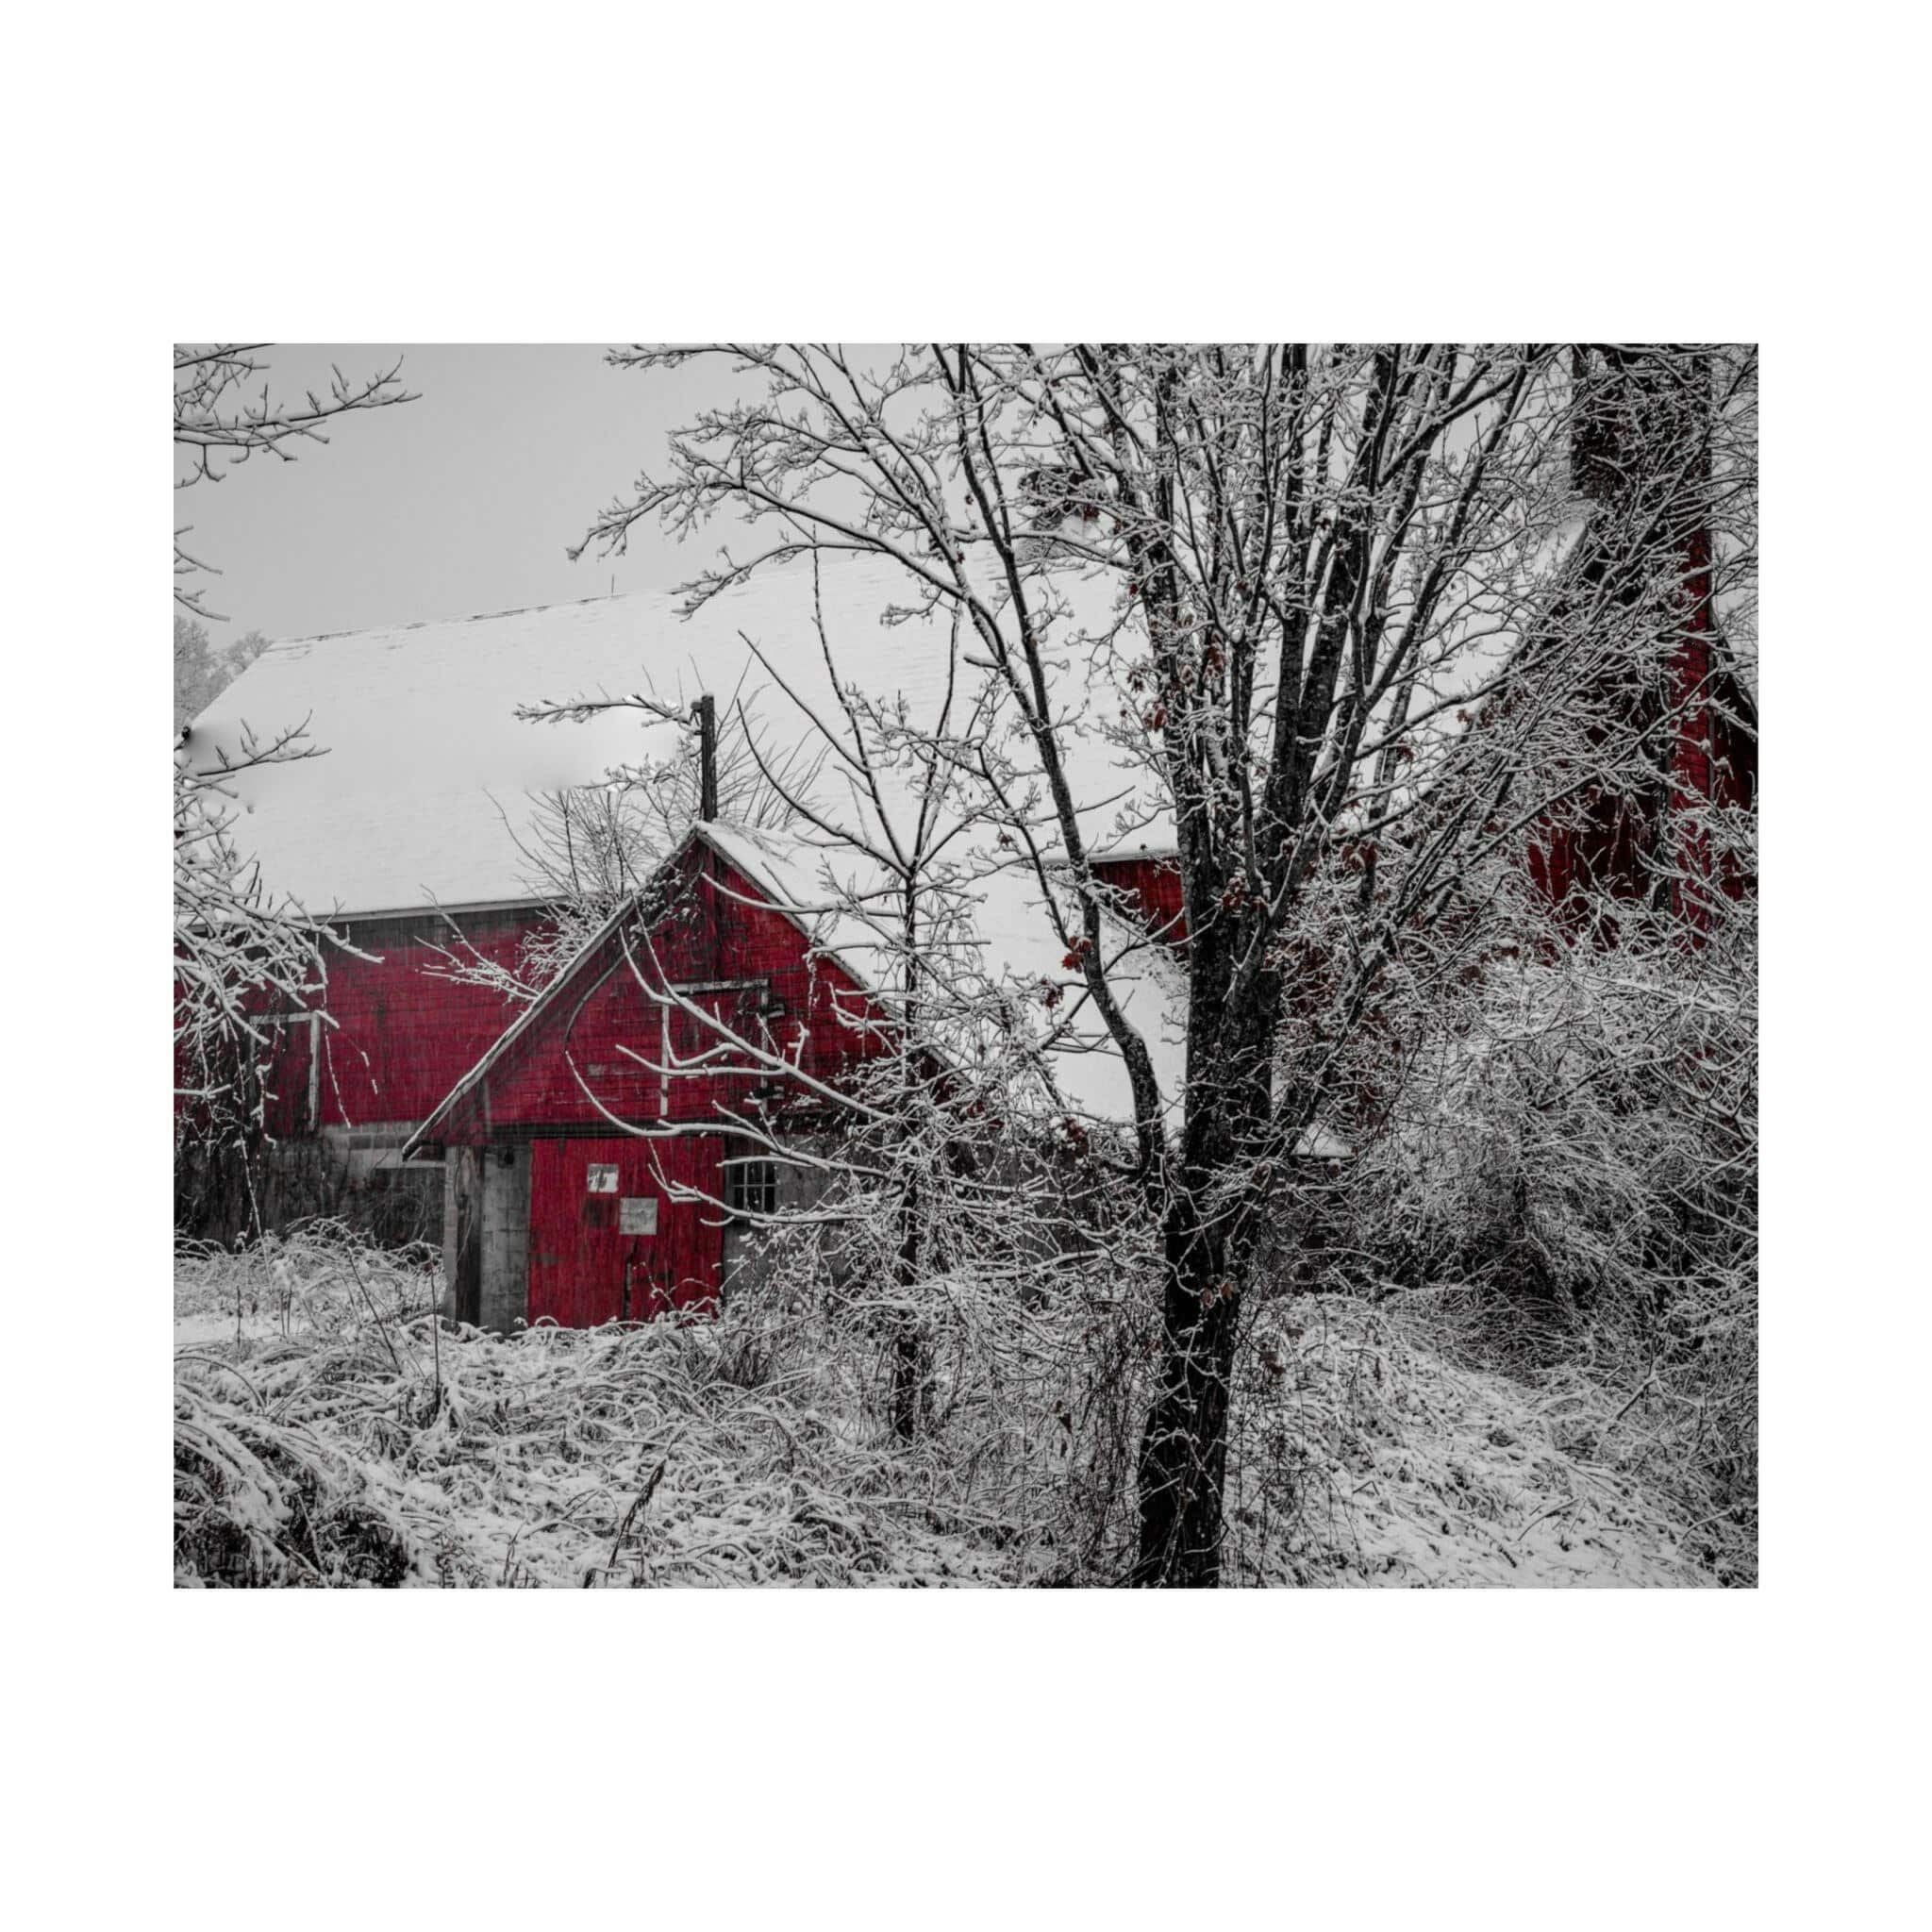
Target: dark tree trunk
[
  {"x": 910, "y": 1367},
  {"x": 1183, "y": 1464},
  {"x": 909, "y": 1371},
  {"x": 1211, "y": 1222}
]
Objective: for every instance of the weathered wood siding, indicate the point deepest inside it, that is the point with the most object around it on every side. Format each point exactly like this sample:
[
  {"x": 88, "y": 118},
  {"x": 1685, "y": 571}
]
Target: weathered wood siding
[
  {"x": 596, "y": 1060},
  {"x": 504, "y": 1288},
  {"x": 403, "y": 1036},
  {"x": 1153, "y": 887},
  {"x": 585, "y": 1266}
]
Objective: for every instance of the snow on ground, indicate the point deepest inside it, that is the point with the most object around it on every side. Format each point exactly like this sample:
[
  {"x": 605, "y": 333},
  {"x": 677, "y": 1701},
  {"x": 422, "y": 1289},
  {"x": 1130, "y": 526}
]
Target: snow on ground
[
  {"x": 343, "y": 1439},
  {"x": 1393, "y": 1466}
]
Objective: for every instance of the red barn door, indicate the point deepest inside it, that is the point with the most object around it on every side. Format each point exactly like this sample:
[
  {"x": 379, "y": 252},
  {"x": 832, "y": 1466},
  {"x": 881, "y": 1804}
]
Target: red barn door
[{"x": 605, "y": 1238}]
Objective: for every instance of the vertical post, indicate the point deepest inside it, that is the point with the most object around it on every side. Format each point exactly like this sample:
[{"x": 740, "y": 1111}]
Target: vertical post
[{"x": 707, "y": 757}]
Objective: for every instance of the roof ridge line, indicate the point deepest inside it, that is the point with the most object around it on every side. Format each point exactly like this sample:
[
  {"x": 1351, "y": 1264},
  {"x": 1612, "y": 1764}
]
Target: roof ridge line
[{"x": 322, "y": 637}]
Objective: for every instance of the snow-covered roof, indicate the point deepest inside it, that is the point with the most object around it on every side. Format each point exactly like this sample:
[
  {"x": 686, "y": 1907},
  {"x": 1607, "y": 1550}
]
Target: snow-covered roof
[
  {"x": 431, "y": 780},
  {"x": 1019, "y": 951}
]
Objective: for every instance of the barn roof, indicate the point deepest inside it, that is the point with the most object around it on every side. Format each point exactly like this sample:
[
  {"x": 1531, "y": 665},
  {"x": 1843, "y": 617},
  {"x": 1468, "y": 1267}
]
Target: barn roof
[
  {"x": 430, "y": 785},
  {"x": 1017, "y": 952}
]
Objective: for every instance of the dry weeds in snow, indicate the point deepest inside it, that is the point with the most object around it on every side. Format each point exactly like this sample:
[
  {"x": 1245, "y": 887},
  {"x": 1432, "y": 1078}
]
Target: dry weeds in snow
[
  {"x": 1364, "y": 1455},
  {"x": 342, "y": 1440},
  {"x": 328, "y": 1432}
]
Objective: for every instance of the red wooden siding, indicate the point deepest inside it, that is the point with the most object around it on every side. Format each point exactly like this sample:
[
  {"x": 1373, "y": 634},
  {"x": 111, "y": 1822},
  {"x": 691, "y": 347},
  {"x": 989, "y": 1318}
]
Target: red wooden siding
[
  {"x": 403, "y": 1036},
  {"x": 595, "y": 1051},
  {"x": 1611, "y": 844},
  {"x": 1154, "y": 885},
  {"x": 584, "y": 1269}
]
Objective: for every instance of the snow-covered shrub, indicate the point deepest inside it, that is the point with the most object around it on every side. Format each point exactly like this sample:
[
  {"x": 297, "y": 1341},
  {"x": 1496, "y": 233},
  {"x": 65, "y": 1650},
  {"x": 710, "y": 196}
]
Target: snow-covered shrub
[
  {"x": 1362, "y": 1455},
  {"x": 244, "y": 961},
  {"x": 1568, "y": 1177}
]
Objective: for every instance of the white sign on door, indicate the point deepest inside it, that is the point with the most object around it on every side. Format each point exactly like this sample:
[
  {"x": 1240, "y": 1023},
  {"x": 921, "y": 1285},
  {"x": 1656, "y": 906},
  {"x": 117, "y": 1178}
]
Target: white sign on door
[{"x": 637, "y": 1214}]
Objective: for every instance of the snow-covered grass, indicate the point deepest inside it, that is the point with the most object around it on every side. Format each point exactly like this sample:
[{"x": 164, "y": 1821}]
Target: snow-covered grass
[
  {"x": 330, "y": 1432},
  {"x": 1365, "y": 1455},
  {"x": 1567, "y": 1195},
  {"x": 347, "y": 1438}
]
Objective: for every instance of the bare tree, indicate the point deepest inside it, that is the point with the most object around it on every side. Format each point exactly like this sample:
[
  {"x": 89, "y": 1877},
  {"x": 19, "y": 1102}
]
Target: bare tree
[
  {"x": 244, "y": 957},
  {"x": 246, "y": 962},
  {"x": 908, "y": 1190},
  {"x": 201, "y": 672},
  {"x": 221, "y": 421},
  {"x": 1355, "y": 589}
]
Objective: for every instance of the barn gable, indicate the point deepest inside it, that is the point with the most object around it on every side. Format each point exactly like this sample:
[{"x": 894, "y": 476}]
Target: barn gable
[{"x": 623, "y": 1038}]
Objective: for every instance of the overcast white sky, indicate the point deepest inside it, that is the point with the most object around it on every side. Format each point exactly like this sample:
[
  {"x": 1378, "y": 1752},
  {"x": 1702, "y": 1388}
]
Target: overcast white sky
[{"x": 460, "y": 502}]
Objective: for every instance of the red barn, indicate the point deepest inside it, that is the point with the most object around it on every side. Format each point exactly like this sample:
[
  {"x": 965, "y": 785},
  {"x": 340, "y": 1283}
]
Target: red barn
[
  {"x": 399, "y": 1033},
  {"x": 593, "y": 1167}
]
